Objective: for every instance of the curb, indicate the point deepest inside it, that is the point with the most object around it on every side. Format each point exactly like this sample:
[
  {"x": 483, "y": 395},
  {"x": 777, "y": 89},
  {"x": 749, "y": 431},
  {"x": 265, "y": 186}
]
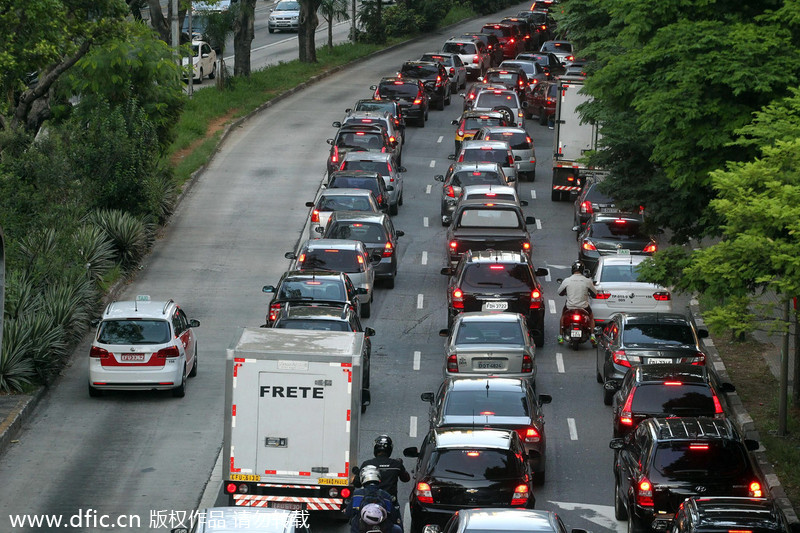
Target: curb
[
  {"x": 11, "y": 426},
  {"x": 745, "y": 423}
]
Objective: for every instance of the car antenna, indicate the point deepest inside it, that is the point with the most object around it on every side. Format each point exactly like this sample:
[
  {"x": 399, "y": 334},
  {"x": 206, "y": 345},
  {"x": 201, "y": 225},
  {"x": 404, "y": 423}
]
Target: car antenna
[{"x": 487, "y": 388}]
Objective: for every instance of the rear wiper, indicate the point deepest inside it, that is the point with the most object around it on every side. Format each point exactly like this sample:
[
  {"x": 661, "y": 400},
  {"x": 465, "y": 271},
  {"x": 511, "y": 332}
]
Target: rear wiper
[{"x": 467, "y": 474}]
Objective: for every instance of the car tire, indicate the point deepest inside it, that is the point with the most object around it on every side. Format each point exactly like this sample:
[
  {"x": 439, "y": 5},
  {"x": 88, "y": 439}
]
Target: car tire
[
  {"x": 180, "y": 390},
  {"x": 538, "y": 478},
  {"x": 366, "y": 309},
  {"x": 400, "y": 200},
  {"x": 200, "y": 79},
  {"x": 620, "y": 512},
  {"x": 193, "y": 373},
  {"x": 555, "y": 196},
  {"x": 532, "y": 176},
  {"x": 213, "y": 71},
  {"x": 608, "y": 396},
  {"x": 542, "y": 117},
  {"x": 94, "y": 392},
  {"x": 270, "y": 30},
  {"x": 393, "y": 208},
  {"x": 599, "y": 378},
  {"x": 421, "y": 121},
  {"x": 635, "y": 525},
  {"x": 538, "y": 339}
]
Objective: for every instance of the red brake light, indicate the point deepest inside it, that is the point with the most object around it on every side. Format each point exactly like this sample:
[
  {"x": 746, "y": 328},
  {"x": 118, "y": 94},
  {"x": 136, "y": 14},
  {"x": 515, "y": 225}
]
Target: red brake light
[
  {"x": 527, "y": 364},
  {"x": 274, "y": 309},
  {"x": 520, "y": 496},
  {"x": 452, "y": 363},
  {"x": 625, "y": 417},
  {"x": 453, "y": 245},
  {"x": 95, "y": 351},
  {"x": 644, "y": 493},
  {"x": 586, "y": 207},
  {"x": 230, "y": 488},
  {"x": 588, "y": 245},
  {"x": 449, "y": 191},
  {"x": 458, "y": 299},
  {"x": 620, "y": 358},
  {"x": 417, "y": 101},
  {"x": 718, "y": 412},
  {"x": 528, "y": 434},
  {"x": 169, "y": 351},
  {"x": 755, "y": 490},
  {"x": 525, "y": 245},
  {"x": 315, "y": 216},
  {"x": 603, "y": 295},
  {"x": 388, "y": 250},
  {"x": 661, "y": 296},
  {"x": 423, "y": 493},
  {"x": 335, "y": 156},
  {"x": 496, "y": 267},
  {"x": 576, "y": 317},
  {"x": 301, "y": 258},
  {"x": 650, "y": 248},
  {"x": 360, "y": 259},
  {"x": 452, "y": 70},
  {"x": 673, "y": 383},
  {"x": 536, "y": 299},
  {"x": 698, "y": 446},
  {"x": 486, "y": 413}
]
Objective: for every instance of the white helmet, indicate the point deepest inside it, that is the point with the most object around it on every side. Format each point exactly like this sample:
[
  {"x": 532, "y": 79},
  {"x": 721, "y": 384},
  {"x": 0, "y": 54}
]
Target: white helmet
[
  {"x": 370, "y": 474},
  {"x": 373, "y": 514}
]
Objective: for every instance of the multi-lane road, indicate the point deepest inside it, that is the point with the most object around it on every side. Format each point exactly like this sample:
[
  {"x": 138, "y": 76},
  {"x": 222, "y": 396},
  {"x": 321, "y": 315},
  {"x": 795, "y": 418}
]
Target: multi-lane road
[{"x": 148, "y": 454}]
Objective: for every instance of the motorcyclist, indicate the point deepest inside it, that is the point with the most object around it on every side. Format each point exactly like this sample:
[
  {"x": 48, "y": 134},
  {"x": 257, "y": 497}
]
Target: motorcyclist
[
  {"x": 578, "y": 289},
  {"x": 370, "y": 493},
  {"x": 391, "y": 469}
]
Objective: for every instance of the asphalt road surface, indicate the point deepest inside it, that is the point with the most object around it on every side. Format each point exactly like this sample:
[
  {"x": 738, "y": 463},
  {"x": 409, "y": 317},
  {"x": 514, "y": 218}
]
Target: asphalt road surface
[{"x": 146, "y": 455}]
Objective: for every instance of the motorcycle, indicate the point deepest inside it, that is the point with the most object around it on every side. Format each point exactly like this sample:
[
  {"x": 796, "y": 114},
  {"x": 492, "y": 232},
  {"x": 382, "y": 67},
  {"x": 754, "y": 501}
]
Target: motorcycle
[{"x": 576, "y": 327}]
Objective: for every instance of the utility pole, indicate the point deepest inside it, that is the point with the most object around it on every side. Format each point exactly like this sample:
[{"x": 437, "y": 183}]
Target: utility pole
[
  {"x": 783, "y": 392},
  {"x": 173, "y": 25},
  {"x": 353, "y": 23},
  {"x": 796, "y": 374},
  {"x": 2, "y": 285},
  {"x": 190, "y": 84}
]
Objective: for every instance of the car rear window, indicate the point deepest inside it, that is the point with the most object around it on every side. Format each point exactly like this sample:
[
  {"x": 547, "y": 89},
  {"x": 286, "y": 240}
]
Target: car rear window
[
  {"x": 481, "y": 155},
  {"x": 444, "y": 60},
  {"x": 381, "y": 167},
  {"x": 459, "y": 48},
  {"x": 332, "y": 259},
  {"x": 504, "y": 76},
  {"x": 475, "y": 332},
  {"x": 364, "y": 232},
  {"x": 364, "y": 140},
  {"x": 675, "y": 398},
  {"x": 476, "y": 177},
  {"x": 420, "y": 71},
  {"x": 658, "y": 334},
  {"x": 134, "y": 331},
  {"x": 594, "y": 195},
  {"x": 488, "y": 218},
  {"x": 529, "y": 67},
  {"x": 698, "y": 460},
  {"x": 502, "y": 276},
  {"x": 398, "y": 90},
  {"x": 538, "y": 18},
  {"x": 517, "y": 140},
  {"x": 354, "y": 182},
  {"x": 375, "y": 105},
  {"x": 358, "y": 121},
  {"x": 489, "y": 196},
  {"x": 319, "y": 325},
  {"x": 617, "y": 229},
  {"x": 492, "y": 465},
  {"x": 492, "y": 99},
  {"x": 619, "y": 274},
  {"x": 474, "y": 123},
  {"x": 311, "y": 289},
  {"x": 492, "y": 403},
  {"x": 556, "y": 47},
  {"x": 498, "y": 31},
  {"x": 344, "y": 203}
]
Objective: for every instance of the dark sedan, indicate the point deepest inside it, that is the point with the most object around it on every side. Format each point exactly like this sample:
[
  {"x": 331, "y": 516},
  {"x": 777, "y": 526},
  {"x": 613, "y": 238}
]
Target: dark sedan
[{"x": 609, "y": 234}]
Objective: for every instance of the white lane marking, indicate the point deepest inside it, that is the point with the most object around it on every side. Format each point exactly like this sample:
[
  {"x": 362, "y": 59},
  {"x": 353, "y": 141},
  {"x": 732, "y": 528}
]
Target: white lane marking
[
  {"x": 560, "y": 362},
  {"x": 419, "y": 301},
  {"x": 428, "y": 189},
  {"x": 417, "y": 356},
  {"x": 573, "y": 431},
  {"x": 538, "y": 224},
  {"x": 439, "y": 139},
  {"x": 425, "y": 221},
  {"x": 412, "y": 430},
  {"x": 552, "y": 305},
  {"x": 547, "y": 277},
  {"x": 533, "y": 194},
  {"x": 433, "y": 163},
  {"x": 424, "y": 258}
]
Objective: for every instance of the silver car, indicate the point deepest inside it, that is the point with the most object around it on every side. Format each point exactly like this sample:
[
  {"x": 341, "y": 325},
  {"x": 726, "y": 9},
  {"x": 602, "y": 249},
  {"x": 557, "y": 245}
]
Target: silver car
[
  {"x": 473, "y": 54},
  {"x": 496, "y": 99},
  {"x": 485, "y": 343},
  {"x": 619, "y": 290},
  {"x": 384, "y": 119},
  {"x": 340, "y": 255},
  {"x": 285, "y": 16},
  {"x": 330, "y": 200},
  {"x": 456, "y": 70},
  {"x": 490, "y": 152},
  {"x": 521, "y": 146},
  {"x": 561, "y": 49},
  {"x": 491, "y": 192},
  {"x": 384, "y": 164}
]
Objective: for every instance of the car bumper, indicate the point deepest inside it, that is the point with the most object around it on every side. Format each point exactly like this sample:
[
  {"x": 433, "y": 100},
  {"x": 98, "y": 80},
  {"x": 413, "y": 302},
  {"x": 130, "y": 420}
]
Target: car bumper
[
  {"x": 136, "y": 378},
  {"x": 384, "y": 269},
  {"x": 279, "y": 25},
  {"x": 526, "y": 166}
]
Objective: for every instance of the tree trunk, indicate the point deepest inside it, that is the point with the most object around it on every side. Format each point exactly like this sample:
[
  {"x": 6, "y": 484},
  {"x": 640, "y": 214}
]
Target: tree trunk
[
  {"x": 306, "y": 33},
  {"x": 158, "y": 21},
  {"x": 330, "y": 34},
  {"x": 136, "y": 8},
  {"x": 243, "y": 34}
]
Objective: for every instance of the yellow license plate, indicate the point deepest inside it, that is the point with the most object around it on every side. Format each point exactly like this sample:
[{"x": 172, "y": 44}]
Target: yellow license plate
[
  {"x": 245, "y": 477},
  {"x": 335, "y": 481}
]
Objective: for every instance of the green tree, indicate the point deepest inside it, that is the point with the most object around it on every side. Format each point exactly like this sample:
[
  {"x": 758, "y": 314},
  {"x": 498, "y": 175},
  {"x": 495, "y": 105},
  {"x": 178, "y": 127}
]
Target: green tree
[
  {"x": 243, "y": 34},
  {"x": 306, "y": 31},
  {"x": 333, "y": 10}
]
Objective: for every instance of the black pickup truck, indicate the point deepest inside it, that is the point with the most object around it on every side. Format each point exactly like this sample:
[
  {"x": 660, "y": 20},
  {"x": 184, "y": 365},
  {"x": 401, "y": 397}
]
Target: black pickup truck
[{"x": 482, "y": 225}]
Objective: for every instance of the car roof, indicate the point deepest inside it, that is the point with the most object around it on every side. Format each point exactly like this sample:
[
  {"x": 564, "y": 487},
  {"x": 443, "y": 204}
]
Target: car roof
[
  {"x": 313, "y": 274},
  {"x": 480, "y": 202},
  {"x": 528, "y": 520},
  {"x": 392, "y": 79},
  {"x": 332, "y": 244},
  {"x": 684, "y": 372},
  {"x": 371, "y": 155},
  {"x": 478, "y": 114},
  {"x": 360, "y": 216},
  {"x": 483, "y": 166},
  {"x": 622, "y": 259},
  {"x": 477, "y": 144},
  {"x": 496, "y": 256},
  {"x": 485, "y": 188},
  {"x": 469, "y": 438},
  {"x": 345, "y": 191},
  {"x": 355, "y": 173},
  {"x": 464, "y": 39},
  {"x": 654, "y": 318},
  {"x": 423, "y": 62},
  {"x": 692, "y": 428},
  {"x": 501, "y": 129},
  {"x": 139, "y": 308},
  {"x": 493, "y": 383},
  {"x": 485, "y": 316}
]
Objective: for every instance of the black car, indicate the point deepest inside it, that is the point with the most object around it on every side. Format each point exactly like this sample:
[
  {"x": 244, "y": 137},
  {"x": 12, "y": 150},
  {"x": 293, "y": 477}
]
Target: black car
[
  {"x": 358, "y": 138},
  {"x": 542, "y": 26},
  {"x": 494, "y": 403},
  {"x": 548, "y": 60},
  {"x": 507, "y": 521},
  {"x": 311, "y": 285},
  {"x": 720, "y": 514},
  {"x": 433, "y": 76},
  {"x": 666, "y": 460},
  {"x": 460, "y": 175},
  {"x": 500, "y": 282},
  {"x": 649, "y": 391},
  {"x": 382, "y": 106},
  {"x": 524, "y": 27},
  {"x": 409, "y": 93},
  {"x": 590, "y": 201},
  {"x": 630, "y": 339},
  {"x": 465, "y": 468},
  {"x": 481, "y": 225},
  {"x": 613, "y": 233},
  {"x": 362, "y": 179},
  {"x": 510, "y": 77}
]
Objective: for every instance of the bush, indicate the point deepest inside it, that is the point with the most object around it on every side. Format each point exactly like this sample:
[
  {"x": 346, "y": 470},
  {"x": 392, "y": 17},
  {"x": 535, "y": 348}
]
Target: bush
[
  {"x": 398, "y": 19},
  {"x": 129, "y": 236}
]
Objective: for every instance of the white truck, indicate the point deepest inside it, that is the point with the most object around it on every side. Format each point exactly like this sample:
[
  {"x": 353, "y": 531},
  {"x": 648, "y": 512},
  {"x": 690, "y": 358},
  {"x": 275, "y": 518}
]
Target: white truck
[
  {"x": 292, "y": 405},
  {"x": 573, "y": 137}
]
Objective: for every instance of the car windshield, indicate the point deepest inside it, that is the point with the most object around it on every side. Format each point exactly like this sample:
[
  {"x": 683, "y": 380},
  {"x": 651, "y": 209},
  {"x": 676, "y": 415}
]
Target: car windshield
[
  {"x": 674, "y": 399},
  {"x": 345, "y": 203},
  {"x": 444, "y": 60},
  {"x": 490, "y": 465},
  {"x": 490, "y": 155},
  {"x": 474, "y": 123},
  {"x": 363, "y": 140},
  {"x": 133, "y": 331},
  {"x": 475, "y": 332},
  {"x": 489, "y": 99},
  {"x": 320, "y": 325},
  {"x": 287, "y": 6},
  {"x": 332, "y": 259},
  {"x": 618, "y": 229},
  {"x": 619, "y": 274},
  {"x": 420, "y": 71},
  {"x": 557, "y": 47},
  {"x": 486, "y": 403},
  {"x": 698, "y": 460},
  {"x": 398, "y": 90},
  {"x": 517, "y": 140},
  {"x": 312, "y": 289},
  {"x": 357, "y": 231},
  {"x": 381, "y": 167},
  {"x": 476, "y": 177},
  {"x": 354, "y": 182},
  {"x": 658, "y": 334},
  {"x": 502, "y": 276},
  {"x": 489, "y": 218}
]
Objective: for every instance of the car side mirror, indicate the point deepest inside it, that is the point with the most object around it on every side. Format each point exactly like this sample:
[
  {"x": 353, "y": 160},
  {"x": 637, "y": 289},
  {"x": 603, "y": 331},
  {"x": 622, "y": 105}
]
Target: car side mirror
[
  {"x": 542, "y": 272},
  {"x": 544, "y": 399},
  {"x": 576, "y": 228},
  {"x": 444, "y": 332},
  {"x": 319, "y": 229},
  {"x": 399, "y": 233},
  {"x": 523, "y": 203},
  {"x": 373, "y": 87},
  {"x": 530, "y": 220},
  {"x": 329, "y": 141},
  {"x": 336, "y": 124},
  {"x": 411, "y": 452},
  {"x": 95, "y": 322},
  {"x": 426, "y": 397},
  {"x": 751, "y": 445},
  {"x": 402, "y": 169},
  {"x": 451, "y": 157},
  {"x": 439, "y": 177},
  {"x": 309, "y": 204},
  {"x": 578, "y": 530},
  {"x": 194, "y": 323},
  {"x": 268, "y": 288},
  {"x": 517, "y": 158},
  {"x": 616, "y": 444},
  {"x": 182, "y": 529},
  {"x": 347, "y": 110},
  {"x": 447, "y": 219},
  {"x": 361, "y": 290},
  {"x": 512, "y": 179},
  {"x": 290, "y": 255},
  {"x": 524, "y": 105},
  {"x": 702, "y": 333},
  {"x": 369, "y": 332},
  {"x": 446, "y": 271},
  {"x": 454, "y": 122}
]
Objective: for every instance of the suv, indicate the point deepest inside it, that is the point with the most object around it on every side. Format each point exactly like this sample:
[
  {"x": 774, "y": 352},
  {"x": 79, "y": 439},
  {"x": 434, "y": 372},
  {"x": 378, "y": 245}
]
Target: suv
[
  {"x": 471, "y": 121},
  {"x": 502, "y": 100},
  {"x": 542, "y": 26},
  {"x": 311, "y": 285},
  {"x": 524, "y": 28},
  {"x": 362, "y": 179},
  {"x": 370, "y": 118},
  {"x": 521, "y": 146},
  {"x": 285, "y": 16},
  {"x": 720, "y": 514},
  {"x": 500, "y": 282},
  {"x": 490, "y": 152},
  {"x": 142, "y": 345},
  {"x": 613, "y": 233},
  {"x": 456, "y": 69},
  {"x": 385, "y": 165},
  {"x": 361, "y": 138},
  {"x": 382, "y": 106},
  {"x": 464, "y": 468},
  {"x": 511, "y": 78},
  {"x": 561, "y": 49},
  {"x": 548, "y": 60},
  {"x": 433, "y": 76},
  {"x": 460, "y": 175},
  {"x": 666, "y": 460},
  {"x": 473, "y": 53},
  {"x": 409, "y": 93},
  {"x": 665, "y": 391},
  {"x": 488, "y": 225},
  {"x": 543, "y": 101},
  {"x": 510, "y": 39},
  {"x": 493, "y": 46}
]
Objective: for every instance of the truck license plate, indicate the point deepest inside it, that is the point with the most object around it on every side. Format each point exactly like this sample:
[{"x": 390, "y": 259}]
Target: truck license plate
[
  {"x": 132, "y": 357},
  {"x": 332, "y": 481},
  {"x": 575, "y": 333},
  {"x": 291, "y": 506},
  {"x": 495, "y": 306}
]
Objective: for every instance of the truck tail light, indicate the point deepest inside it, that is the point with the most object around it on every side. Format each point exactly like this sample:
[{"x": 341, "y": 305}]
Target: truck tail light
[
  {"x": 589, "y": 245},
  {"x": 458, "y": 299},
  {"x": 528, "y": 434},
  {"x": 95, "y": 351},
  {"x": 536, "y": 299},
  {"x": 452, "y": 363},
  {"x": 644, "y": 493},
  {"x": 315, "y": 216},
  {"x": 520, "y": 496},
  {"x": 449, "y": 191},
  {"x": 388, "y": 250},
  {"x": 662, "y": 296},
  {"x": 625, "y": 416},
  {"x": 423, "y": 493}
]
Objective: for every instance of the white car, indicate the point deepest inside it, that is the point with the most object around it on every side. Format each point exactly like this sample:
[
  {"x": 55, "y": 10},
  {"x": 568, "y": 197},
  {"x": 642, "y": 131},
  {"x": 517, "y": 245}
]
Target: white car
[
  {"x": 255, "y": 519},
  {"x": 619, "y": 291},
  {"x": 143, "y": 345},
  {"x": 491, "y": 192},
  {"x": 204, "y": 61}
]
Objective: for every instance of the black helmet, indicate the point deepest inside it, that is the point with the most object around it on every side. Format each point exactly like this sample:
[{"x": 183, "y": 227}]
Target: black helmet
[
  {"x": 383, "y": 445},
  {"x": 577, "y": 267}
]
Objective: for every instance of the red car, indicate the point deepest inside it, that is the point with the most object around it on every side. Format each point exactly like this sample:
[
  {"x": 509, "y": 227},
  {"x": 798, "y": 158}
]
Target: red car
[
  {"x": 510, "y": 39},
  {"x": 543, "y": 101}
]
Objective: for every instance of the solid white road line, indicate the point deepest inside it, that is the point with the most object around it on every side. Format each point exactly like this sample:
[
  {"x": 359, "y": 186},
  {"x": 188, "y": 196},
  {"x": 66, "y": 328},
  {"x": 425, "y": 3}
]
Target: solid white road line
[
  {"x": 573, "y": 431},
  {"x": 419, "y": 301},
  {"x": 428, "y": 189},
  {"x": 552, "y": 305},
  {"x": 412, "y": 430},
  {"x": 424, "y": 258},
  {"x": 417, "y": 356},
  {"x": 425, "y": 221},
  {"x": 560, "y": 362}
]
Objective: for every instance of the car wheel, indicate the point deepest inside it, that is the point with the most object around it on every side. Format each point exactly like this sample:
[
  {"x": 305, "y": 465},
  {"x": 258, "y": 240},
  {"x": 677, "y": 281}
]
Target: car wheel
[
  {"x": 270, "y": 30},
  {"x": 200, "y": 79},
  {"x": 538, "y": 339},
  {"x": 193, "y": 373},
  {"x": 390, "y": 282},
  {"x": 532, "y": 176},
  {"x": 180, "y": 391},
  {"x": 555, "y": 195},
  {"x": 94, "y": 392},
  {"x": 542, "y": 117},
  {"x": 213, "y": 72},
  {"x": 635, "y": 525},
  {"x": 400, "y": 200},
  {"x": 421, "y": 122},
  {"x": 393, "y": 208},
  {"x": 366, "y": 309},
  {"x": 608, "y": 396},
  {"x": 620, "y": 513},
  {"x": 599, "y": 378},
  {"x": 538, "y": 478}
]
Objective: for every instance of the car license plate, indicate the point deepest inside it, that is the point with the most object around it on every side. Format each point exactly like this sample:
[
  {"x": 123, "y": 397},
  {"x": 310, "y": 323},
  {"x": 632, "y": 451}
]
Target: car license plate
[
  {"x": 132, "y": 357},
  {"x": 623, "y": 251},
  {"x": 607, "y": 209},
  {"x": 659, "y": 361},
  {"x": 495, "y": 306},
  {"x": 291, "y": 506},
  {"x": 490, "y": 365},
  {"x": 575, "y": 333}
]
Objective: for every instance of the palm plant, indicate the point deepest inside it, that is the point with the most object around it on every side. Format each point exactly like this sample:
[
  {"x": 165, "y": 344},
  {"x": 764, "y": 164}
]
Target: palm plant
[
  {"x": 129, "y": 236},
  {"x": 332, "y": 10}
]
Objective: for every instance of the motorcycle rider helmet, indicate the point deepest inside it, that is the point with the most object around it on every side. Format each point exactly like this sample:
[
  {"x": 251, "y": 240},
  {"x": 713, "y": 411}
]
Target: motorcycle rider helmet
[
  {"x": 577, "y": 267},
  {"x": 383, "y": 446},
  {"x": 370, "y": 474},
  {"x": 373, "y": 514}
]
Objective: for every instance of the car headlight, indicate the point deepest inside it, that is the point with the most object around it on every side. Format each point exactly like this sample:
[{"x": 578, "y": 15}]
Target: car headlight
[{"x": 296, "y": 17}]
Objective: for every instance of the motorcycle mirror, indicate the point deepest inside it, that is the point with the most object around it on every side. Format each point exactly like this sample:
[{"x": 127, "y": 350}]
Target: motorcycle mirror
[{"x": 451, "y": 157}]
